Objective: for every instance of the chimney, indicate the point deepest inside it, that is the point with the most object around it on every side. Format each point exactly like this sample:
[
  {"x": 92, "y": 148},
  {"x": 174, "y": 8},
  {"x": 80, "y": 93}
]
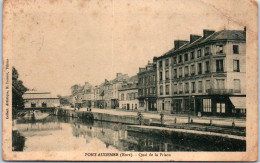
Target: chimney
[
  {"x": 207, "y": 33},
  {"x": 244, "y": 28},
  {"x": 179, "y": 43},
  {"x": 194, "y": 38},
  {"x": 154, "y": 59}
]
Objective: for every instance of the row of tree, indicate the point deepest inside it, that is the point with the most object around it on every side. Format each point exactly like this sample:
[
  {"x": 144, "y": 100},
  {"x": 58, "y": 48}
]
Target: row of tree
[{"x": 18, "y": 90}]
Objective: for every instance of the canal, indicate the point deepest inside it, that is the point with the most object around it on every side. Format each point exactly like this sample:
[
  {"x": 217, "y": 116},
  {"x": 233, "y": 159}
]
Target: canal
[{"x": 71, "y": 134}]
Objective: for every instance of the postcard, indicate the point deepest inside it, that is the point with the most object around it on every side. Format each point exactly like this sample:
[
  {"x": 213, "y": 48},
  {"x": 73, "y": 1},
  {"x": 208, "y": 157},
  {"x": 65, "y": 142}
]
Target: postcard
[{"x": 130, "y": 80}]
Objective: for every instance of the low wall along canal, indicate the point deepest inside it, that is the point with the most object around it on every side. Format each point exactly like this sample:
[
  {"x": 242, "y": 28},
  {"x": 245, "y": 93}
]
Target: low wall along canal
[{"x": 133, "y": 125}]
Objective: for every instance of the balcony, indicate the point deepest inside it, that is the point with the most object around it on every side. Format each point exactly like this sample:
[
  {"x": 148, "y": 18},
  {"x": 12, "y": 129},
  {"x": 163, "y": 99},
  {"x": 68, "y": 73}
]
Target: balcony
[
  {"x": 237, "y": 91},
  {"x": 220, "y": 91}
]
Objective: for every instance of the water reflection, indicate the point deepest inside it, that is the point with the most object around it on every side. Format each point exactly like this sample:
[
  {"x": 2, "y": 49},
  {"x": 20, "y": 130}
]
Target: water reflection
[{"x": 67, "y": 134}]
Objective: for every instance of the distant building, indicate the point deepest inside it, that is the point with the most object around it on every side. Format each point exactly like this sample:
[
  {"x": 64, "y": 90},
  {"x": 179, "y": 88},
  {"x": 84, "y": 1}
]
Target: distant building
[
  {"x": 99, "y": 101},
  {"x": 128, "y": 97},
  {"x": 110, "y": 90},
  {"x": 206, "y": 75},
  {"x": 40, "y": 100},
  {"x": 88, "y": 95},
  {"x": 147, "y": 87}
]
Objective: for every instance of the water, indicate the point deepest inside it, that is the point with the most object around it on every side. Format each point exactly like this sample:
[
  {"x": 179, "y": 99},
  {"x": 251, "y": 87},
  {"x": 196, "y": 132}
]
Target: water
[{"x": 68, "y": 134}]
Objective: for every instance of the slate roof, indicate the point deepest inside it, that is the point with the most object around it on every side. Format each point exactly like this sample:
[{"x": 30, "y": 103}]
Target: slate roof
[
  {"x": 223, "y": 35},
  {"x": 38, "y": 95}
]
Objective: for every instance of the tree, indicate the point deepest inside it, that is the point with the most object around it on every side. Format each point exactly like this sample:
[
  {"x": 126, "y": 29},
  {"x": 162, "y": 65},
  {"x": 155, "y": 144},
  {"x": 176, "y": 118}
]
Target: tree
[
  {"x": 64, "y": 100},
  {"x": 18, "y": 90}
]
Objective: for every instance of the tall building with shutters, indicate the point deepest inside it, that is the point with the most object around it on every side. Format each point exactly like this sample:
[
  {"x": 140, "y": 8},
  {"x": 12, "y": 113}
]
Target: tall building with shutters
[{"x": 205, "y": 75}]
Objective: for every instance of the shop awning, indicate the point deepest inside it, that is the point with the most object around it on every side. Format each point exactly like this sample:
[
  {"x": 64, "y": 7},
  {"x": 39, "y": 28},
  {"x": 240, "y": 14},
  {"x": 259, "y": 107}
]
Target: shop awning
[{"x": 238, "y": 102}]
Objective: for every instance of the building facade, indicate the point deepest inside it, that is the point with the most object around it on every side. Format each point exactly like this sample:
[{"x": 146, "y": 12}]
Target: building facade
[
  {"x": 40, "y": 100},
  {"x": 147, "y": 87},
  {"x": 204, "y": 76},
  {"x": 128, "y": 97},
  {"x": 88, "y": 95}
]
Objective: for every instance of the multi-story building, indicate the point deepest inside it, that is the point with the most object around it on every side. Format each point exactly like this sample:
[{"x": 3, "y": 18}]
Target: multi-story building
[
  {"x": 88, "y": 95},
  {"x": 40, "y": 100},
  {"x": 110, "y": 90},
  {"x": 99, "y": 96},
  {"x": 147, "y": 87},
  {"x": 206, "y": 75},
  {"x": 128, "y": 97}
]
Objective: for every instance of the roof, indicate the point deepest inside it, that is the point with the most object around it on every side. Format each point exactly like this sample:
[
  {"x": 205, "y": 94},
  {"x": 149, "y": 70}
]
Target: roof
[
  {"x": 223, "y": 35},
  {"x": 38, "y": 95},
  {"x": 238, "y": 102}
]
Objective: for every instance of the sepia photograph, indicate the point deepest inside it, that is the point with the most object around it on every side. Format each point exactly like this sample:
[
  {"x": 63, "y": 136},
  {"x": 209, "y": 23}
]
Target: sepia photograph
[{"x": 106, "y": 80}]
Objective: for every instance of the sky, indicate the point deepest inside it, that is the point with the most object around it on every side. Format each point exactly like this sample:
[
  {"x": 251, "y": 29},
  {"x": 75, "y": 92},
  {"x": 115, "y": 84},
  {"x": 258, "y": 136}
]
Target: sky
[{"x": 59, "y": 43}]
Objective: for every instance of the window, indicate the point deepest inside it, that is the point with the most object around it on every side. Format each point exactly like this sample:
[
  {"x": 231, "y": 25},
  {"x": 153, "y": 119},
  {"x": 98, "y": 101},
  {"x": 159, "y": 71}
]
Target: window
[
  {"x": 186, "y": 70},
  {"x": 199, "y": 53},
  {"x": 200, "y": 87},
  {"x": 235, "y": 49},
  {"x": 236, "y": 66},
  {"x": 186, "y": 57},
  {"x": 154, "y": 91},
  {"x": 199, "y": 68},
  {"x": 33, "y": 105},
  {"x": 161, "y": 90},
  {"x": 207, "y": 67},
  {"x": 44, "y": 104},
  {"x": 219, "y": 49},
  {"x": 180, "y": 58},
  {"x": 174, "y": 60},
  {"x": 167, "y": 90},
  {"x": 180, "y": 72},
  {"x": 207, "y": 85},
  {"x": 221, "y": 108},
  {"x": 127, "y": 96},
  {"x": 186, "y": 87},
  {"x": 160, "y": 64},
  {"x": 135, "y": 106},
  {"x": 219, "y": 66},
  {"x": 192, "y": 55},
  {"x": 167, "y": 62},
  {"x": 237, "y": 86},
  {"x": 175, "y": 73},
  {"x": 192, "y": 69},
  {"x": 151, "y": 90},
  {"x": 175, "y": 88},
  {"x": 167, "y": 74},
  {"x": 206, "y": 51},
  {"x": 193, "y": 87},
  {"x": 141, "y": 103},
  {"x": 160, "y": 75},
  {"x": 207, "y": 105},
  {"x": 180, "y": 88},
  {"x": 220, "y": 84},
  {"x": 122, "y": 96}
]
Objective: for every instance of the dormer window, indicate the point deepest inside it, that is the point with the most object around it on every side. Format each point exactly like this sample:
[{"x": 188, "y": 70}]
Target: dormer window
[{"x": 219, "y": 49}]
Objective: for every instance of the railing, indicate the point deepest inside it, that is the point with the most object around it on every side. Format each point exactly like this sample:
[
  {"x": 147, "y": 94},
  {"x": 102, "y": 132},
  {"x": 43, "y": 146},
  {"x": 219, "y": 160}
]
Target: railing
[{"x": 220, "y": 91}]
